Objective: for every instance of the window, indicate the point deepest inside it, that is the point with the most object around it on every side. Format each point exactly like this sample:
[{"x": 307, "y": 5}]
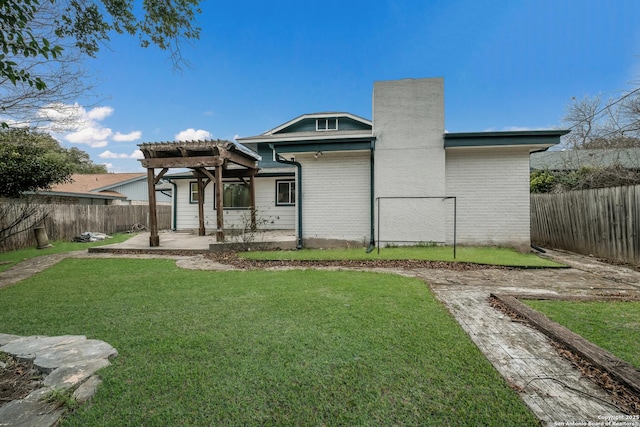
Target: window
[
  {"x": 285, "y": 193},
  {"x": 235, "y": 195},
  {"x": 193, "y": 192},
  {"x": 326, "y": 124}
]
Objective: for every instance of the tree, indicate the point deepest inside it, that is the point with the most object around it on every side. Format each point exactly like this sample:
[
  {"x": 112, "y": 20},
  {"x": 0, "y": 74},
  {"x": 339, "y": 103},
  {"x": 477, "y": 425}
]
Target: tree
[
  {"x": 29, "y": 162},
  {"x": 598, "y": 123},
  {"x": 32, "y": 160},
  {"x": 42, "y": 43},
  {"x": 82, "y": 163},
  {"x": 598, "y": 127}
]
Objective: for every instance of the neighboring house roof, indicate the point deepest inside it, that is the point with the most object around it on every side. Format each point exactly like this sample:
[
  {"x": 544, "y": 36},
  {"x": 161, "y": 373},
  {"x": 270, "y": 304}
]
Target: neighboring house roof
[
  {"x": 535, "y": 140},
  {"x": 94, "y": 185},
  {"x": 575, "y": 159}
]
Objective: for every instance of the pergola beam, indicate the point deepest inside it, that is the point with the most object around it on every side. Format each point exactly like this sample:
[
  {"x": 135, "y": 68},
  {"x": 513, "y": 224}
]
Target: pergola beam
[{"x": 183, "y": 162}]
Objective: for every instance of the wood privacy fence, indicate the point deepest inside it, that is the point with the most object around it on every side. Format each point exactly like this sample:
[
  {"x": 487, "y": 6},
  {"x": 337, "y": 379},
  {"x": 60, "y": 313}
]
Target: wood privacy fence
[
  {"x": 604, "y": 222},
  {"x": 64, "y": 222}
]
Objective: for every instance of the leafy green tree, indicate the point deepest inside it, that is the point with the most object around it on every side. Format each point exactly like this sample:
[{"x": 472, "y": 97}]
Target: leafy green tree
[
  {"x": 163, "y": 23},
  {"x": 542, "y": 181},
  {"x": 82, "y": 163},
  {"x": 42, "y": 43},
  {"x": 32, "y": 160}
]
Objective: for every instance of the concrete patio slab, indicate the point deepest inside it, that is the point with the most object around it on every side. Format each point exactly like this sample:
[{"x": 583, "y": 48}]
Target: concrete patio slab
[{"x": 189, "y": 243}]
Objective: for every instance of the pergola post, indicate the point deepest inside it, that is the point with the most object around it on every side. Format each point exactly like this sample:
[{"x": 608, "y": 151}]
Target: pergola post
[
  {"x": 219, "y": 205},
  {"x": 154, "y": 238},
  {"x": 201, "y": 228}
]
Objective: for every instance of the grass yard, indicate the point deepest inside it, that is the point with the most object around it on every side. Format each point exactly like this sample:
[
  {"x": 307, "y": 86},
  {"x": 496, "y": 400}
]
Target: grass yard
[
  {"x": 14, "y": 257},
  {"x": 298, "y": 347},
  {"x": 477, "y": 255},
  {"x": 612, "y": 325}
]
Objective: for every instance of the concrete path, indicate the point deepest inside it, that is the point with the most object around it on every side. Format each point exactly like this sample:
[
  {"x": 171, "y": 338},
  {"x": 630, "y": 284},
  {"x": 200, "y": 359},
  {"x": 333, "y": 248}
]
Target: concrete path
[{"x": 554, "y": 390}]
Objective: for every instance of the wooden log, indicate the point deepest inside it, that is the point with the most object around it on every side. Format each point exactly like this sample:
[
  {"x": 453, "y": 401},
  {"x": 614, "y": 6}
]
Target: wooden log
[{"x": 622, "y": 371}]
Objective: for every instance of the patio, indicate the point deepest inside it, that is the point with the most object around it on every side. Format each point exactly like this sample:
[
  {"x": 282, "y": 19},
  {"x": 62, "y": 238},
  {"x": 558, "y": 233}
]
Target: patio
[{"x": 187, "y": 243}]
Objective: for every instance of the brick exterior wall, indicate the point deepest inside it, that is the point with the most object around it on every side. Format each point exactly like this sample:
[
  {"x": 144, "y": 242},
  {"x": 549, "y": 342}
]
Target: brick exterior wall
[
  {"x": 336, "y": 196},
  {"x": 492, "y": 190}
]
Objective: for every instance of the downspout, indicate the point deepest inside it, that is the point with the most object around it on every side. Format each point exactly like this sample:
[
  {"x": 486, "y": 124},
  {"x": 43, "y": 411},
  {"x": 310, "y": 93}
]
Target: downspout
[
  {"x": 372, "y": 239},
  {"x": 280, "y": 159}
]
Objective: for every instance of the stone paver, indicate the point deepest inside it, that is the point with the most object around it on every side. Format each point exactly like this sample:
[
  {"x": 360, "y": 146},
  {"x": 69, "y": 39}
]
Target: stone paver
[{"x": 70, "y": 361}]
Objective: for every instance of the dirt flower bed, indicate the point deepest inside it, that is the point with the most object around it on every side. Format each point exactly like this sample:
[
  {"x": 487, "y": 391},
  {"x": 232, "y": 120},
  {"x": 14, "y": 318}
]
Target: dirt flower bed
[
  {"x": 17, "y": 379},
  {"x": 232, "y": 258}
]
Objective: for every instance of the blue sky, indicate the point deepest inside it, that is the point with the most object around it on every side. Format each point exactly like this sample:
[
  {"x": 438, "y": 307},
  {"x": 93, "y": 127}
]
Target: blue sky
[{"x": 506, "y": 65}]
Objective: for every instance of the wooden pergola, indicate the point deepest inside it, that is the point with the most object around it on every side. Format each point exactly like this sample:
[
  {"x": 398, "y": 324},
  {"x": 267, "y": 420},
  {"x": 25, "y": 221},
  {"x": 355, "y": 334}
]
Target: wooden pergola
[{"x": 210, "y": 161}]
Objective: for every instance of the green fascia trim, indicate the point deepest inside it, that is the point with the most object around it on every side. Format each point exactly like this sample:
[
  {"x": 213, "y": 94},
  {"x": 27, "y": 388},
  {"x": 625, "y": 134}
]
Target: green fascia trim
[
  {"x": 513, "y": 138},
  {"x": 301, "y": 147}
]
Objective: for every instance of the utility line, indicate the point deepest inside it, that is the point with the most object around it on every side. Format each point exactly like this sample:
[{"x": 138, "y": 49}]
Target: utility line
[{"x": 606, "y": 107}]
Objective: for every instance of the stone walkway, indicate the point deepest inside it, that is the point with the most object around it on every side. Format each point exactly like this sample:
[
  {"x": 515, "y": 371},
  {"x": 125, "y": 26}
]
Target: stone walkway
[
  {"x": 68, "y": 363},
  {"x": 554, "y": 390}
]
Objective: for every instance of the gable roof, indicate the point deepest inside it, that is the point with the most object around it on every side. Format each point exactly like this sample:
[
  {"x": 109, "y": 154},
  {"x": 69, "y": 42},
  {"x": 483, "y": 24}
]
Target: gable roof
[
  {"x": 303, "y": 128},
  {"x": 313, "y": 116},
  {"x": 95, "y": 185},
  {"x": 86, "y": 183}
]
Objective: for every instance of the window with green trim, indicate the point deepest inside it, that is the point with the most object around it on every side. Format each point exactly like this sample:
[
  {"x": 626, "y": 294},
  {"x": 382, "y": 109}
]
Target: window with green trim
[
  {"x": 285, "y": 193},
  {"x": 235, "y": 195},
  {"x": 193, "y": 192}
]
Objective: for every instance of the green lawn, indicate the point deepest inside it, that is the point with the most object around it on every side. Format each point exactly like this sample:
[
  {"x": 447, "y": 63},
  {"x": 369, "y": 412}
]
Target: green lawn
[
  {"x": 299, "y": 347},
  {"x": 612, "y": 325},
  {"x": 477, "y": 255},
  {"x": 13, "y": 257}
]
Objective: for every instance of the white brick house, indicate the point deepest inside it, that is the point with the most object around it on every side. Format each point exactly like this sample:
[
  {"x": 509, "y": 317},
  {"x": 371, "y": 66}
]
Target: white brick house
[{"x": 347, "y": 180}]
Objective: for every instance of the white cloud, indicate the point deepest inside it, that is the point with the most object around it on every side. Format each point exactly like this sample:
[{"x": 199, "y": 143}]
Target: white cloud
[
  {"x": 94, "y": 136},
  {"x": 109, "y": 155},
  {"x": 78, "y": 125},
  {"x": 99, "y": 113},
  {"x": 127, "y": 137},
  {"x": 137, "y": 154},
  {"x": 516, "y": 128},
  {"x": 89, "y": 135},
  {"x": 193, "y": 135}
]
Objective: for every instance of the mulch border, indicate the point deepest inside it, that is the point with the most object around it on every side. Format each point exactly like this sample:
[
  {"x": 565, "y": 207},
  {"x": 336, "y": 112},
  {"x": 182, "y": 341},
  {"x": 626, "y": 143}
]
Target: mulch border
[{"x": 619, "y": 378}]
